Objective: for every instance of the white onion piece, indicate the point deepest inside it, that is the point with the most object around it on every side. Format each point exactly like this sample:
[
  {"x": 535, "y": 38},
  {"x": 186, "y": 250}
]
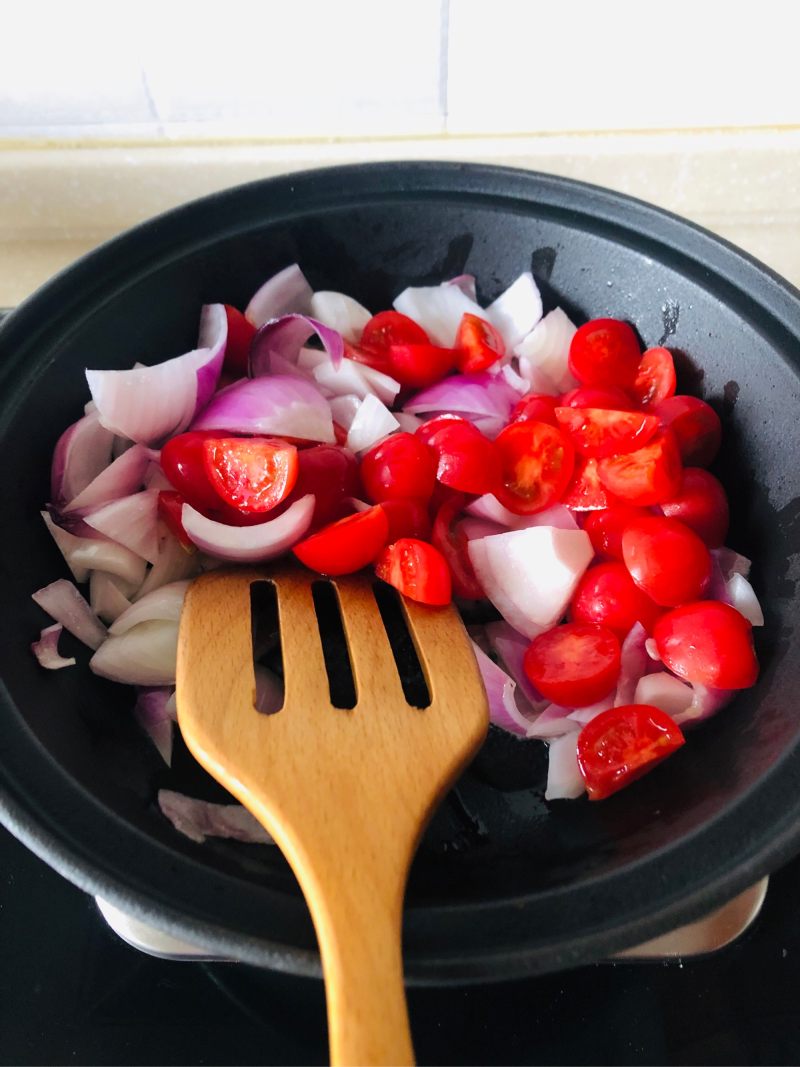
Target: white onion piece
[
  {"x": 249, "y": 544},
  {"x": 173, "y": 564},
  {"x": 373, "y": 421},
  {"x": 165, "y": 603},
  {"x": 489, "y": 425},
  {"x": 554, "y": 721},
  {"x": 517, "y": 310},
  {"x": 64, "y": 603},
  {"x": 156, "y": 479},
  {"x": 516, "y": 381},
  {"x": 742, "y": 596},
  {"x": 269, "y": 691},
  {"x": 466, "y": 283},
  {"x": 544, "y": 355},
  {"x": 731, "y": 562},
  {"x": 438, "y": 309},
  {"x": 564, "y": 778},
  {"x": 152, "y": 712},
  {"x": 408, "y": 423},
  {"x": 81, "y": 452},
  {"x": 148, "y": 404},
  {"x": 663, "y": 690},
  {"x": 341, "y": 312},
  {"x": 633, "y": 664},
  {"x": 591, "y": 711},
  {"x": 275, "y": 405},
  {"x": 199, "y": 819},
  {"x": 351, "y": 377},
  {"x": 473, "y": 528},
  {"x": 121, "y": 478},
  {"x": 344, "y": 408},
  {"x": 285, "y": 292},
  {"x": 46, "y": 649},
  {"x": 107, "y": 599},
  {"x": 489, "y": 507},
  {"x": 466, "y": 394},
  {"x": 530, "y": 575},
  {"x": 284, "y": 337},
  {"x": 504, "y": 706},
  {"x": 83, "y": 554},
  {"x": 705, "y": 703},
  {"x": 131, "y": 521},
  {"x": 145, "y": 655},
  {"x": 510, "y": 648}
]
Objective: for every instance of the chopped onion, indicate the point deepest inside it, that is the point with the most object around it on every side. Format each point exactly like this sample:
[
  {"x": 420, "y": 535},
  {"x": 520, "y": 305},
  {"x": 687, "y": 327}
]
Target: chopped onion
[
  {"x": 349, "y": 378},
  {"x": 107, "y": 599},
  {"x": 510, "y": 647},
  {"x": 554, "y": 721},
  {"x": 564, "y": 778},
  {"x": 121, "y": 478},
  {"x": 65, "y": 604},
  {"x": 731, "y": 562},
  {"x": 274, "y": 406},
  {"x": 544, "y": 355},
  {"x": 284, "y": 292},
  {"x": 663, "y": 690},
  {"x": 591, "y": 711},
  {"x": 144, "y": 655},
  {"x": 148, "y": 404},
  {"x": 173, "y": 564},
  {"x": 131, "y": 521},
  {"x": 165, "y": 603},
  {"x": 474, "y": 528},
  {"x": 489, "y": 507},
  {"x": 344, "y": 408},
  {"x": 198, "y": 819},
  {"x": 633, "y": 664},
  {"x": 83, "y": 554},
  {"x": 408, "y": 423},
  {"x": 82, "y": 451},
  {"x": 249, "y": 544},
  {"x": 473, "y": 394},
  {"x": 285, "y": 337},
  {"x": 466, "y": 283},
  {"x": 517, "y": 310},
  {"x": 342, "y": 313},
  {"x": 651, "y": 649},
  {"x": 742, "y": 596},
  {"x": 269, "y": 691},
  {"x": 438, "y": 309},
  {"x": 516, "y": 381},
  {"x": 46, "y": 649},
  {"x": 373, "y": 421},
  {"x": 152, "y": 712},
  {"x": 504, "y": 706}
]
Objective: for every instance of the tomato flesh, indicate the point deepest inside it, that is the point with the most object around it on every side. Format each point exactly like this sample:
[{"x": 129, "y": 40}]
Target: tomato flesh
[
  {"x": 696, "y": 427},
  {"x": 605, "y": 352},
  {"x": 452, "y": 543},
  {"x": 708, "y": 643},
  {"x": 252, "y": 474},
  {"x": 574, "y": 664},
  {"x": 237, "y": 349},
  {"x": 466, "y": 459},
  {"x": 417, "y": 570},
  {"x": 391, "y": 328},
  {"x": 602, "y": 432},
  {"x": 702, "y": 505},
  {"x": 183, "y": 462},
  {"x": 667, "y": 560},
  {"x": 605, "y": 528},
  {"x": 347, "y": 545},
  {"x": 536, "y": 464},
  {"x": 402, "y": 466},
  {"x": 535, "y": 407},
  {"x": 585, "y": 491},
  {"x": 607, "y": 595},
  {"x": 419, "y": 365},
  {"x": 622, "y": 744},
  {"x": 655, "y": 379},
  {"x": 478, "y": 344},
  {"x": 647, "y": 476}
]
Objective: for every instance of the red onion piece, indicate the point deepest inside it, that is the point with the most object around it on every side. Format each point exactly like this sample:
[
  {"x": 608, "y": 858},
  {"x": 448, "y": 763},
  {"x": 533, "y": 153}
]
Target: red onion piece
[
  {"x": 504, "y": 706},
  {"x": 287, "y": 291},
  {"x": 277, "y": 406},
  {"x": 517, "y": 310},
  {"x": 554, "y": 721},
  {"x": 544, "y": 354},
  {"x": 107, "y": 599},
  {"x": 65, "y": 604},
  {"x": 373, "y": 421},
  {"x": 633, "y": 664},
  {"x": 473, "y": 394},
  {"x": 46, "y": 649},
  {"x": 731, "y": 562},
  {"x": 173, "y": 564},
  {"x": 590, "y": 711},
  {"x": 408, "y": 423},
  {"x": 473, "y": 528},
  {"x": 269, "y": 691},
  {"x": 250, "y": 544},
  {"x": 165, "y": 603},
  {"x": 742, "y": 596},
  {"x": 83, "y": 555},
  {"x": 145, "y": 655},
  {"x": 121, "y": 478},
  {"x": 438, "y": 309},
  {"x": 341, "y": 313},
  {"x": 705, "y": 703},
  {"x": 82, "y": 451},
  {"x": 564, "y": 778},
  {"x": 348, "y": 377},
  {"x": 152, "y": 712},
  {"x": 510, "y": 648},
  {"x": 131, "y": 521},
  {"x": 466, "y": 283},
  {"x": 663, "y": 690},
  {"x": 199, "y": 819},
  {"x": 286, "y": 336}
]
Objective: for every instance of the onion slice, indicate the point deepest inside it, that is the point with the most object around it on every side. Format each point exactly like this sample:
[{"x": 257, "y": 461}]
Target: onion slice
[
  {"x": 249, "y": 544},
  {"x": 131, "y": 521},
  {"x": 279, "y": 406},
  {"x": 84, "y": 554},
  {"x": 165, "y": 603},
  {"x": 467, "y": 394},
  {"x": 510, "y": 648},
  {"x": 544, "y": 355},
  {"x": 341, "y": 313},
  {"x": 286, "y": 291},
  {"x": 199, "y": 819},
  {"x": 663, "y": 690},
  {"x": 46, "y": 649},
  {"x": 372, "y": 422},
  {"x": 144, "y": 655},
  {"x": 504, "y": 707},
  {"x": 438, "y": 309},
  {"x": 121, "y": 478},
  {"x": 564, "y": 778},
  {"x": 152, "y": 711},
  {"x": 286, "y": 336},
  {"x": 81, "y": 452},
  {"x": 65, "y": 604},
  {"x": 633, "y": 664},
  {"x": 517, "y": 310},
  {"x": 741, "y": 596},
  {"x": 107, "y": 599}
]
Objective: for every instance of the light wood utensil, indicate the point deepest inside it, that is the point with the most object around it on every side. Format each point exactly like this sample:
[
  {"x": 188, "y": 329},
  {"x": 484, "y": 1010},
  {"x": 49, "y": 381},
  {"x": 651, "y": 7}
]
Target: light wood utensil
[{"x": 345, "y": 794}]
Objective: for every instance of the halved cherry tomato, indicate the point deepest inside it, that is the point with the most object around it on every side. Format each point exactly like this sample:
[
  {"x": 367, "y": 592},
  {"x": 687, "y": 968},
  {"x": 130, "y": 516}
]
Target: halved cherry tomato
[
  {"x": 655, "y": 380},
  {"x": 667, "y": 560},
  {"x": 391, "y": 328},
  {"x": 696, "y": 426},
  {"x": 170, "y": 508},
  {"x": 400, "y": 466},
  {"x": 417, "y": 366},
  {"x": 184, "y": 464},
  {"x": 585, "y": 492},
  {"x": 702, "y": 505},
  {"x": 605, "y": 528},
  {"x": 536, "y": 462},
  {"x": 467, "y": 460},
  {"x": 620, "y": 745},
  {"x": 647, "y": 476},
  {"x": 417, "y": 570},
  {"x": 237, "y": 349},
  {"x": 606, "y": 594},
  {"x": 347, "y": 545},
  {"x": 708, "y": 643},
  {"x": 605, "y": 352},
  {"x": 251, "y": 474},
  {"x": 452, "y": 543},
  {"x": 407, "y": 518},
  {"x": 535, "y": 407},
  {"x": 602, "y": 432},
  {"x": 595, "y": 396},
  {"x": 478, "y": 344},
  {"x": 574, "y": 664},
  {"x": 377, "y": 358},
  {"x": 432, "y": 426}
]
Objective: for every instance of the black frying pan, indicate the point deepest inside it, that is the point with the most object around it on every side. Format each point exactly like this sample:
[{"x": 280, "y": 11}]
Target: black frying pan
[{"x": 503, "y": 884}]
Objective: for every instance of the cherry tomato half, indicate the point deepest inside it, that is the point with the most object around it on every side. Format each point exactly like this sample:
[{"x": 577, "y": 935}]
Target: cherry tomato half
[
  {"x": 536, "y": 462},
  {"x": 467, "y": 461},
  {"x": 452, "y": 543},
  {"x": 696, "y": 426},
  {"x": 417, "y": 570},
  {"x": 655, "y": 379},
  {"x": 431, "y": 426},
  {"x": 606, "y": 594},
  {"x": 419, "y": 365},
  {"x": 605, "y": 352},
  {"x": 183, "y": 462},
  {"x": 400, "y": 466},
  {"x": 595, "y": 396},
  {"x": 574, "y": 664},
  {"x": 535, "y": 407},
  {"x": 237, "y": 349},
  {"x": 605, "y": 528},
  {"x": 702, "y": 505},
  {"x": 667, "y": 560},
  {"x": 478, "y": 344},
  {"x": 621, "y": 744},
  {"x": 708, "y": 643},
  {"x": 391, "y": 328},
  {"x": 585, "y": 492},
  {"x": 251, "y": 474},
  {"x": 347, "y": 545},
  {"x": 647, "y": 476},
  {"x": 602, "y": 432}
]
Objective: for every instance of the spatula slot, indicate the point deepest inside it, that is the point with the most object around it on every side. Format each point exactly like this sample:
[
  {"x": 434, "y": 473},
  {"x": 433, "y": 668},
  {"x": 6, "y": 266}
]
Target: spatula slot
[
  {"x": 412, "y": 677},
  {"x": 267, "y": 651},
  {"x": 334, "y": 645}
]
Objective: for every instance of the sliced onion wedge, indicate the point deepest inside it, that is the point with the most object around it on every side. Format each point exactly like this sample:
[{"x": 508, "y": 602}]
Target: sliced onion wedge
[
  {"x": 131, "y": 521},
  {"x": 506, "y": 710},
  {"x": 372, "y": 422},
  {"x": 633, "y": 664},
  {"x": 544, "y": 355},
  {"x": 84, "y": 554},
  {"x": 165, "y": 603},
  {"x": 564, "y": 779},
  {"x": 467, "y": 394},
  {"x": 144, "y": 655},
  {"x": 278, "y": 405},
  {"x": 46, "y": 649},
  {"x": 287, "y": 291},
  {"x": 663, "y": 690},
  {"x": 82, "y": 451},
  {"x": 107, "y": 599},
  {"x": 64, "y": 603},
  {"x": 341, "y": 313},
  {"x": 152, "y": 711},
  {"x": 285, "y": 337},
  {"x": 199, "y": 819},
  {"x": 517, "y": 310},
  {"x": 438, "y": 309},
  {"x": 249, "y": 544},
  {"x": 121, "y": 478}
]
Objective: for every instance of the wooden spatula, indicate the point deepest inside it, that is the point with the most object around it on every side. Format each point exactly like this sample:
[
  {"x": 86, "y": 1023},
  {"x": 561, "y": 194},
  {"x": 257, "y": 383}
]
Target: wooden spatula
[{"x": 345, "y": 793}]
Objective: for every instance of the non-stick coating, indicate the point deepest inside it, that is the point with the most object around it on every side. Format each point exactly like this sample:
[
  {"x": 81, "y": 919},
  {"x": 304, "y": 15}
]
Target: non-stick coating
[{"x": 503, "y": 884}]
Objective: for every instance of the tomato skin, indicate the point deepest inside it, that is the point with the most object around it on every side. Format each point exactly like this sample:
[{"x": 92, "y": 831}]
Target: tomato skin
[
  {"x": 330, "y": 473},
  {"x": 602, "y": 432},
  {"x": 417, "y": 570},
  {"x": 391, "y": 328},
  {"x": 574, "y": 664},
  {"x": 467, "y": 460},
  {"x": 400, "y": 466},
  {"x": 585, "y": 492},
  {"x": 595, "y": 396},
  {"x": 535, "y": 407},
  {"x": 605, "y": 528},
  {"x": 620, "y": 745},
  {"x": 647, "y": 476},
  {"x": 536, "y": 464},
  {"x": 478, "y": 344},
  {"x": 607, "y": 595},
  {"x": 426, "y": 431},
  {"x": 407, "y": 518},
  {"x": 347, "y": 545},
  {"x": 237, "y": 349},
  {"x": 655, "y": 380},
  {"x": 170, "y": 507},
  {"x": 667, "y": 560},
  {"x": 452, "y": 543},
  {"x": 708, "y": 643},
  {"x": 377, "y": 358},
  {"x": 605, "y": 352},
  {"x": 417, "y": 366},
  {"x": 696, "y": 427},
  {"x": 251, "y": 474},
  {"x": 702, "y": 505}
]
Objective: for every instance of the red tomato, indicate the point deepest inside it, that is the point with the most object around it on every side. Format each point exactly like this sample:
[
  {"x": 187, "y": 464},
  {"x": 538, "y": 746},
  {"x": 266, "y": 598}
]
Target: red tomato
[
  {"x": 377, "y": 358},
  {"x": 452, "y": 543},
  {"x": 535, "y": 407},
  {"x": 237, "y": 349},
  {"x": 606, "y": 594},
  {"x": 655, "y": 380},
  {"x": 574, "y": 664},
  {"x": 400, "y": 466},
  {"x": 417, "y": 366},
  {"x": 605, "y": 528},
  {"x": 536, "y": 465},
  {"x": 602, "y": 432},
  {"x": 478, "y": 344},
  {"x": 621, "y": 744},
  {"x": 391, "y": 328},
  {"x": 605, "y": 352},
  {"x": 696, "y": 426},
  {"x": 585, "y": 491},
  {"x": 347, "y": 545},
  {"x": 708, "y": 643},
  {"x": 184, "y": 464},
  {"x": 597, "y": 397},
  {"x": 647, "y": 476},
  {"x": 467, "y": 460},
  {"x": 417, "y": 570},
  {"x": 251, "y": 474},
  {"x": 170, "y": 508},
  {"x": 407, "y": 518},
  {"x": 667, "y": 560},
  {"x": 702, "y": 505},
  {"x": 432, "y": 426},
  {"x": 331, "y": 474}
]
